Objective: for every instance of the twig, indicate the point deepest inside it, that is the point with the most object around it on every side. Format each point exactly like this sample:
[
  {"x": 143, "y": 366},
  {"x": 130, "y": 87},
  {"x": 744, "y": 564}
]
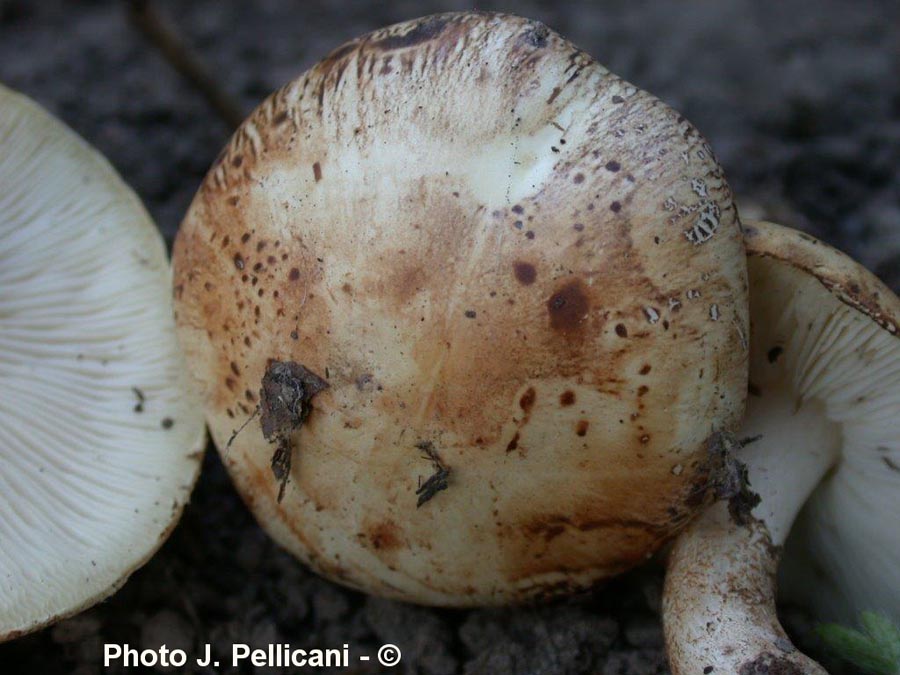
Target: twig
[
  {"x": 165, "y": 36},
  {"x": 237, "y": 431},
  {"x": 438, "y": 481}
]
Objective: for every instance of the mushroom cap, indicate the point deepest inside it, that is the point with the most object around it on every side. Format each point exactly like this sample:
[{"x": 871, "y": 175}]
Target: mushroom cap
[
  {"x": 91, "y": 482},
  {"x": 825, "y": 379},
  {"x": 505, "y": 262}
]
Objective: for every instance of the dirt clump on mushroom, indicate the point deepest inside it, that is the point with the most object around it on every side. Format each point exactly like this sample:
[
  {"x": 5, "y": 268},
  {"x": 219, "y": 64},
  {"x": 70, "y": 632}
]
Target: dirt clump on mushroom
[
  {"x": 287, "y": 389},
  {"x": 730, "y": 477}
]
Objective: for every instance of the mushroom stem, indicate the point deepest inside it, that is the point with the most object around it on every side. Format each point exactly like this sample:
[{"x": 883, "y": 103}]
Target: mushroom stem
[
  {"x": 719, "y": 602},
  {"x": 719, "y": 599}
]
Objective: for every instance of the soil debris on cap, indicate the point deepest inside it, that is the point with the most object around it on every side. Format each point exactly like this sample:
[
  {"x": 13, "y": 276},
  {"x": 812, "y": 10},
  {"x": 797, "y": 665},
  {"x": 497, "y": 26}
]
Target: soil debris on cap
[
  {"x": 770, "y": 664},
  {"x": 139, "y": 395},
  {"x": 730, "y": 481},
  {"x": 438, "y": 480},
  {"x": 287, "y": 388}
]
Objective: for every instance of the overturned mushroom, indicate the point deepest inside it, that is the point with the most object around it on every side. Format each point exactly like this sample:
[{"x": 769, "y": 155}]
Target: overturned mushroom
[
  {"x": 523, "y": 281},
  {"x": 100, "y": 441},
  {"x": 824, "y": 420}
]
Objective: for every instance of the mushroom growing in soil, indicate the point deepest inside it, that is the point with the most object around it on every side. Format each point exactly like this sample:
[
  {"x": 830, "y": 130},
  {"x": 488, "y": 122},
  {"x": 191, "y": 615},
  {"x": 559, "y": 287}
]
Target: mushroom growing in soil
[
  {"x": 468, "y": 313},
  {"x": 100, "y": 438},
  {"x": 823, "y": 428}
]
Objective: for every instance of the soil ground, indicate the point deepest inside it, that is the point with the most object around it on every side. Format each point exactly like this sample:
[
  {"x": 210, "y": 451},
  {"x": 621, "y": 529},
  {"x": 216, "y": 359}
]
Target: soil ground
[{"x": 800, "y": 100}]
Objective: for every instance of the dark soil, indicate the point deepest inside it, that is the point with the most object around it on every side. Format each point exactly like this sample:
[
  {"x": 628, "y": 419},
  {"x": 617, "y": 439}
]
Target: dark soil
[{"x": 801, "y": 101}]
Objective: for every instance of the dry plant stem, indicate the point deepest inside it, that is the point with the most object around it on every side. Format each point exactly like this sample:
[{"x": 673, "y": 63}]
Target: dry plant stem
[{"x": 166, "y": 38}]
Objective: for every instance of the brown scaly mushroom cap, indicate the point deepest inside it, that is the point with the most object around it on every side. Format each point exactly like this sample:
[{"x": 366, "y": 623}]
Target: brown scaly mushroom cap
[
  {"x": 824, "y": 419},
  {"x": 490, "y": 302}
]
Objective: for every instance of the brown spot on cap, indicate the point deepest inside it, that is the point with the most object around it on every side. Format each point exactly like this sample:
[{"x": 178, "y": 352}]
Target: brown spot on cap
[
  {"x": 613, "y": 165},
  {"x": 645, "y": 369},
  {"x": 579, "y": 178},
  {"x": 167, "y": 423},
  {"x": 513, "y": 444},
  {"x": 774, "y": 353},
  {"x": 317, "y": 171},
  {"x": 621, "y": 331},
  {"x": 471, "y": 314},
  {"x": 582, "y": 427},
  {"x": 567, "y": 398},
  {"x": 526, "y": 402},
  {"x": 294, "y": 274},
  {"x": 239, "y": 261},
  {"x": 615, "y": 207},
  {"x": 525, "y": 272},
  {"x": 568, "y": 307},
  {"x": 385, "y": 536}
]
